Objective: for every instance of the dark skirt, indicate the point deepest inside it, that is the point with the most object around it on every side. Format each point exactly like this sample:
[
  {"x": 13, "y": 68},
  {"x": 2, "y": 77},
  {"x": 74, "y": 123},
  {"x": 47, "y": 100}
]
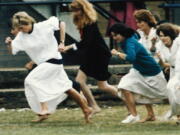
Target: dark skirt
[{"x": 97, "y": 69}]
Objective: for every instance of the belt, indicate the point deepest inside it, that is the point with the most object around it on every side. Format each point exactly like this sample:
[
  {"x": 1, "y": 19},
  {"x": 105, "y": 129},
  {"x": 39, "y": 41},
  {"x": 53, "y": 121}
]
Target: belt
[{"x": 55, "y": 61}]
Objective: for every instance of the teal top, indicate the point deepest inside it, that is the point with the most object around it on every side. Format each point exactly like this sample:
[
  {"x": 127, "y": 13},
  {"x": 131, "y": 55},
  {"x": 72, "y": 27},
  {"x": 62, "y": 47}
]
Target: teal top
[{"x": 139, "y": 57}]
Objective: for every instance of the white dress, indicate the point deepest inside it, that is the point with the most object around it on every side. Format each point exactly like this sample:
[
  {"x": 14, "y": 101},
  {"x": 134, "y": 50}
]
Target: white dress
[
  {"x": 47, "y": 82},
  {"x": 174, "y": 82}
]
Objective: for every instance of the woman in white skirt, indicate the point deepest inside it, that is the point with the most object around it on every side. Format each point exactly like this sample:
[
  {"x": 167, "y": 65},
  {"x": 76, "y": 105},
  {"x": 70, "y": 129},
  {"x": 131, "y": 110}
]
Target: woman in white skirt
[
  {"x": 145, "y": 82},
  {"x": 169, "y": 35},
  {"x": 47, "y": 85}
]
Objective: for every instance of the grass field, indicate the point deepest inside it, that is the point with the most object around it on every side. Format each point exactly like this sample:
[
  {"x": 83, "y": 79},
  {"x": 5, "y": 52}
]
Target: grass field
[{"x": 71, "y": 122}]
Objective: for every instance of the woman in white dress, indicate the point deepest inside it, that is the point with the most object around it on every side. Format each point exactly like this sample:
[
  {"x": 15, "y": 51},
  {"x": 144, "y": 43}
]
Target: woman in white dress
[
  {"x": 146, "y": 24},
  {"x": 47, "y": 85},
  {"x": 169, "y": 35},
  {"x": 145, "y": 82}
]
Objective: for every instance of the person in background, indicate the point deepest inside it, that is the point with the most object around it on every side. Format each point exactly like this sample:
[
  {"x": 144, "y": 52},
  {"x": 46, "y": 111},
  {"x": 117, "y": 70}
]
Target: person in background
[
  {"x": 146, "y": 23},
  {"x": 169, "y": 35}
]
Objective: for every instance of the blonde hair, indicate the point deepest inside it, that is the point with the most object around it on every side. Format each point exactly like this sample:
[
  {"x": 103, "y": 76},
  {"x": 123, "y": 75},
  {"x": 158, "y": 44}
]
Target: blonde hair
[
  {"x": 88, "y": 16},
  {"x": 146, "y": 16},
  {"x": 22, "y": 18}
]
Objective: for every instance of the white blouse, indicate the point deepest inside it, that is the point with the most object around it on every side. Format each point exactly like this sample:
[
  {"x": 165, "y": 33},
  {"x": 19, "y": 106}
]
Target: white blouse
[
  {"x": 169, "y": 55},
  {"x": 41, "y": 45},
  {"x": 146, "y": 40}
]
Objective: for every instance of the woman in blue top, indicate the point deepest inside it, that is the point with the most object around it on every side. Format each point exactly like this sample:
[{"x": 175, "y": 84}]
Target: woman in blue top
[{"x": 145, "y": 82}]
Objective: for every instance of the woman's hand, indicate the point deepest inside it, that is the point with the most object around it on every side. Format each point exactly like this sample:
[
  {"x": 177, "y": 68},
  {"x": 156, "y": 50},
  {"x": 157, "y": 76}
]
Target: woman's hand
[
  {"x": 154, "y": 40},
  {"x": 114, "y": 52},
  {"x": 153, "y": 47},
  {"x": 8, "y": 40},
  {"x": 64, "y": 49},
  {"x": 29, "y": 65},
  {"x": 61, "y": 47},
  {"x": 119, "y": 54},
  {"x": 167, "y": 70},
  {"x": 158, "y": 54}
]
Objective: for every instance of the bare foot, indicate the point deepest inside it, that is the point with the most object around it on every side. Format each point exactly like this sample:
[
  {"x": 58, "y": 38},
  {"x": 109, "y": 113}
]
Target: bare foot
[
  {"x": 148, "y": 118},
  {"x": 178, "y": 117},
  {"x": 96, "y": 110},
  {"x": 88, "y": 115},
  {"x": 178, "y": 120},
  {"x": 41, "y": 118}
]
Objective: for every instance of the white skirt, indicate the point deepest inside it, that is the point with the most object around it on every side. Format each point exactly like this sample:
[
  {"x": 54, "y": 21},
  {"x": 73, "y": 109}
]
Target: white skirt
[
  {"x": 146, "y": 89},
  {"x": 174, "y": 92},
  {"x": 46, "y": 83}
]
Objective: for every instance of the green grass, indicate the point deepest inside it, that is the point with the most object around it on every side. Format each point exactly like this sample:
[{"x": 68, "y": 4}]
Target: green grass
[{"x": 71, "y": 122}]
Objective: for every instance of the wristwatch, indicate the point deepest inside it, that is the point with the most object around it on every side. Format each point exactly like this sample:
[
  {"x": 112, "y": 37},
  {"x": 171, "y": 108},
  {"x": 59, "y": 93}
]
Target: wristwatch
[
  {"x": 61, "y": 41},
  {"x": 118, "y": 53}
]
